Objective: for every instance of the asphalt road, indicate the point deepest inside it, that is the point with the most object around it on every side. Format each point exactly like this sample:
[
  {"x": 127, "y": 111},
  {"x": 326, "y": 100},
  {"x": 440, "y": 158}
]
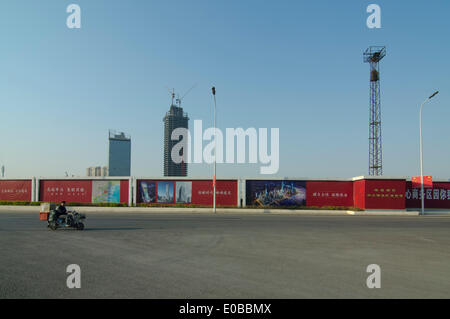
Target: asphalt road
[{"x": 226, "y": 256}]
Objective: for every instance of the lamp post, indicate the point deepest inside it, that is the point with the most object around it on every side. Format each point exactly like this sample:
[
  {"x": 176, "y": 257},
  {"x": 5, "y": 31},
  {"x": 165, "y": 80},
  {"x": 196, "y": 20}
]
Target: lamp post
[
  {"x": 215, "y": 151},
  {"x": 421, "y": 154}
]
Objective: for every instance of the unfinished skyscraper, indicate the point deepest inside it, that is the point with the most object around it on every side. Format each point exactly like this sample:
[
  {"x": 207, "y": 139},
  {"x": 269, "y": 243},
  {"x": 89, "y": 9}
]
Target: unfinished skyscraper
[{"x": 175, "y": 118}]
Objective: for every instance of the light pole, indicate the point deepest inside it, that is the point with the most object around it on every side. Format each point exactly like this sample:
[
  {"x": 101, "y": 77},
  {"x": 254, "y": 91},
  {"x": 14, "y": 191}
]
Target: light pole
[
  {"x": 215, "y": 150},
  {"x": 421, "y": 154}
]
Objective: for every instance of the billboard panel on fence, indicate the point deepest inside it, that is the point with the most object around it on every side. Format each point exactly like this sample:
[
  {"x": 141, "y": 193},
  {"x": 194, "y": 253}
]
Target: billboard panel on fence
[
  {"x": 226, "y": 192},
  {"x": 197, "y": 192},
  {"x": 184, "y": 192},
  {"x": 124, "y": 191},
  {"x": 165, "y": 192},
  {"x": 359, "y": 193},
  {"x": 15, "y": 190},
  {"x": 436, "y": 197},
  {"x": 381, "y": 194},
  {"x": 329, "y": 193},
  {"x": 78, "y": 191},
  {"x": 84, "y": 191},
  {"x": 106, "y": 191},
  {"x": 275, "y": 193},
  {"x": 146, "y": 191}
]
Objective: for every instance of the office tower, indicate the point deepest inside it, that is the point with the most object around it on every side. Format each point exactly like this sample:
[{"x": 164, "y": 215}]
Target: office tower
[{"x": 119, "y": 154}]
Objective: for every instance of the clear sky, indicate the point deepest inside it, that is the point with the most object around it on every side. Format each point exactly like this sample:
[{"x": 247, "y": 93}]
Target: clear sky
[{"x": 295, "y": 65}]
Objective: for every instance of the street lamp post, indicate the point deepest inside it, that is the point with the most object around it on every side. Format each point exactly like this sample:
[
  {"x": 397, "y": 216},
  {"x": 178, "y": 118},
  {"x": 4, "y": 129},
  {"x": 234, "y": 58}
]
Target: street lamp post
[
  {"x": 421, "y": 154},
  {"x": 215, "y": 150}
]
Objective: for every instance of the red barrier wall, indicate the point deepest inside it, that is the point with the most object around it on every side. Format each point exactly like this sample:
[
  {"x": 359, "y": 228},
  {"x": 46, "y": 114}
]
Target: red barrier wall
[
  {"x": 197, "y": 192},
  {"x": 124, "y": 191},
  {"x": 329, "y": 193},
  {"x": 15, "y": 190},
  {"x": 436, "y": 197},
  {"x": 226, "y": 193},
  {"x": 359, "y": 193},
  {"x": 77, "y": 191},
  {"x": 380, "y": 194}
]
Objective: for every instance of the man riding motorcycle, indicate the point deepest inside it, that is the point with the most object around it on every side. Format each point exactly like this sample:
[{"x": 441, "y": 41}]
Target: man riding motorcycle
[
  {"x": 70, "y": 218},
  {"x": 61, "y": 210}
]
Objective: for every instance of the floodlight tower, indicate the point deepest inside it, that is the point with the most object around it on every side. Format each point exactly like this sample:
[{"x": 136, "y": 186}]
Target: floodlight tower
[{"x": 373, "y": 56}]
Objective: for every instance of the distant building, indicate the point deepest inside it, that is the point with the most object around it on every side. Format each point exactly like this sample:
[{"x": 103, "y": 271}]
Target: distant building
[
  {"x": 119, "y": 154},
  {"x": 96, "y": 171},
  {"x": 175, "y": 118}
]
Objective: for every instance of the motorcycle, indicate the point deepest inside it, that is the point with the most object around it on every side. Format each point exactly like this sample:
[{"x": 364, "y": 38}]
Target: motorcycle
[{"x": 72, "y": 219}]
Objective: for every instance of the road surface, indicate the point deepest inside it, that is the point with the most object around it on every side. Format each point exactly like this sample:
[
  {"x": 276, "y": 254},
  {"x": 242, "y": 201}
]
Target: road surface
[{"x": 163, "y": 255}]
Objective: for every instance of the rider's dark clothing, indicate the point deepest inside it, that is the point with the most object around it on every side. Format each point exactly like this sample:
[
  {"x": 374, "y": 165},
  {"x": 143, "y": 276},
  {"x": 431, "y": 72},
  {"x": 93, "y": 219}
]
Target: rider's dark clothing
[{"x": 61, "y": 210}]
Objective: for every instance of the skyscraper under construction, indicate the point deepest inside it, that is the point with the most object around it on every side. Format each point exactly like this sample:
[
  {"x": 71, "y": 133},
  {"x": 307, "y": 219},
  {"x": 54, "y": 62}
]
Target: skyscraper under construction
[{"x": 175, "y": 118}]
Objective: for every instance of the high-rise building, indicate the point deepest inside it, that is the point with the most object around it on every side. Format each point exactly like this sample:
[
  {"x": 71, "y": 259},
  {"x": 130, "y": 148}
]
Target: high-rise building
[
  {"x": 175, "y": 118},
  {"x": 119, "y": 154}
]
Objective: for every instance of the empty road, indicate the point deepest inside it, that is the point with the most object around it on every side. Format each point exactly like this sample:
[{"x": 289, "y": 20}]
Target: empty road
[{"x": 163, "y": 255}]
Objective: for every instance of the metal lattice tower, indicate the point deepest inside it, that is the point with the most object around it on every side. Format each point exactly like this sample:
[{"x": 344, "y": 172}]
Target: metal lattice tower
[{"x": 373, "y": 56}]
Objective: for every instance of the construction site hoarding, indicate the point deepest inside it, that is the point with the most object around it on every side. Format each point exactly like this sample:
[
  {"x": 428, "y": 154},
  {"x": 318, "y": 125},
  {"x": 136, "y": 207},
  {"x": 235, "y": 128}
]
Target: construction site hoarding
[
  {"x": 196, "y": 192},
  {"x": 84, "y": 191},
  {"x": 273, "y": 193},
  {"x": 79, "y": 191},
  {"x": 379, "y": 194},
  {"x": 437, "y": 197},
  {"x": 329, "y": 193},
  {"x": 16, "y": 190}
]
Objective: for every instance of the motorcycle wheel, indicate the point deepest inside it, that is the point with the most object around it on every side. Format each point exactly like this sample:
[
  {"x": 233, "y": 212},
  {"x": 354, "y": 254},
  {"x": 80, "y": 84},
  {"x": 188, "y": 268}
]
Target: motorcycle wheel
[
  {"x": 80, "y": 226},
  {"x": 52, "y": 226}
]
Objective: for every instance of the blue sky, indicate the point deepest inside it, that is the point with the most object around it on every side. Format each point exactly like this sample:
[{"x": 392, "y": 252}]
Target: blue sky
[{"x": 295, "y": 65}]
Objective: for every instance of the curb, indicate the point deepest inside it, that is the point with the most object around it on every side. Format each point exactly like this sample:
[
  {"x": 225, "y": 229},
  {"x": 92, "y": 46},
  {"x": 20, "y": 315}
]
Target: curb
[
  {"x": 437, "y": 213},
  {"x": 223, "y": 211},
  {"x": 385, "y": 213},
  {"x": 180, "y": 210}
]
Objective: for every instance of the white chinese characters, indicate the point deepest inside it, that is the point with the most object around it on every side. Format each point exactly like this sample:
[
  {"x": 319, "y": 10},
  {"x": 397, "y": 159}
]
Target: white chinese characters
[{"x": 430, "y": 194}]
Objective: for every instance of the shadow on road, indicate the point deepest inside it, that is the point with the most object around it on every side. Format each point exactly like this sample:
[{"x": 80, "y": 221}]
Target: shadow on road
[{"x": 112, "y": 228}]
